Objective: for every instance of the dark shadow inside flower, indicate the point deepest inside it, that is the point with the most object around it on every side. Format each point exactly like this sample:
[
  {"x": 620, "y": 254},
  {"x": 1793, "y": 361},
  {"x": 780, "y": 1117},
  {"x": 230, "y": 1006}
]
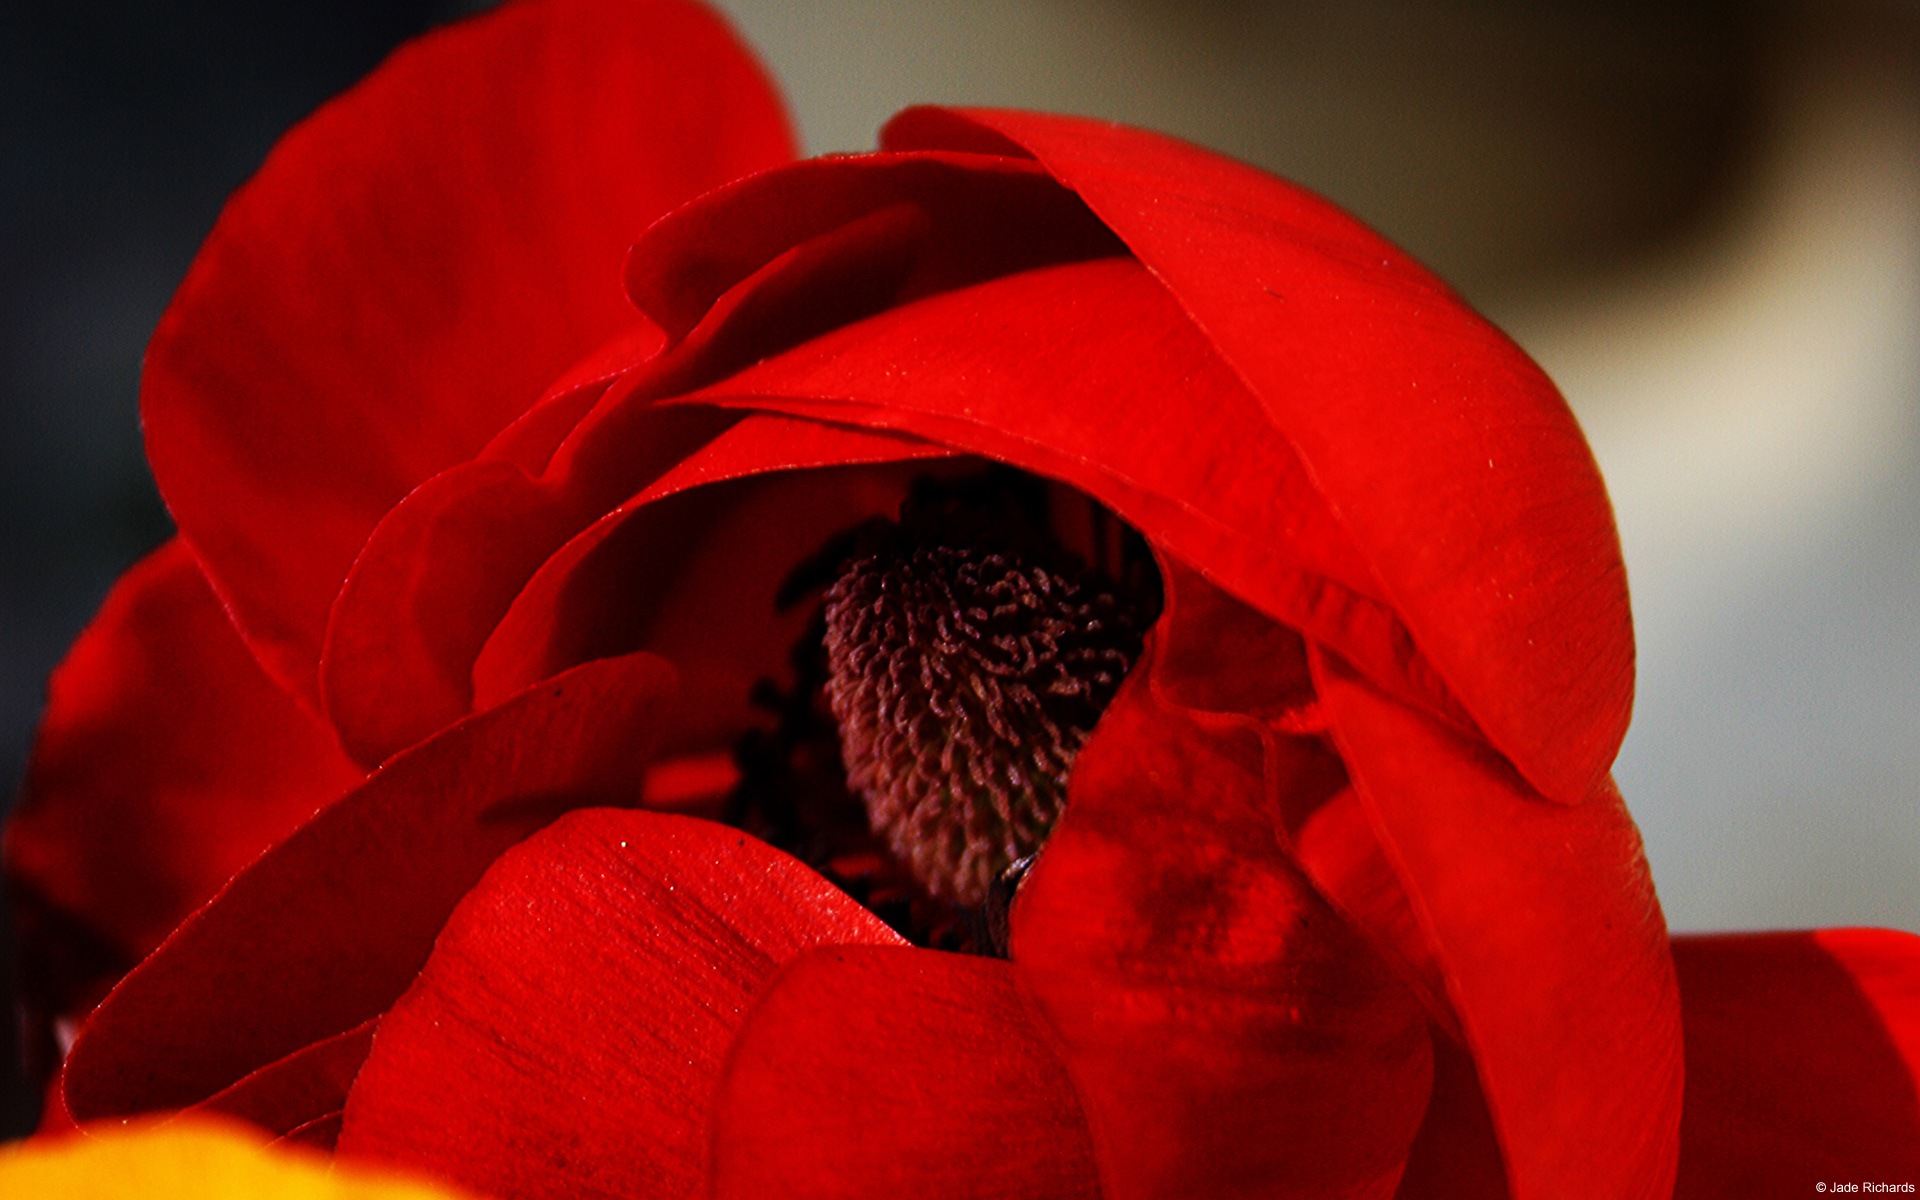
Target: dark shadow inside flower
[
  {"x": 729, "y": 583},
  {"x": 954, "y": 662}
]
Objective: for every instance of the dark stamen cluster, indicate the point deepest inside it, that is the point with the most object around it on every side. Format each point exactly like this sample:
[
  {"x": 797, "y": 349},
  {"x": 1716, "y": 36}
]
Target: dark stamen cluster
[{"x": 964, "y": 678}]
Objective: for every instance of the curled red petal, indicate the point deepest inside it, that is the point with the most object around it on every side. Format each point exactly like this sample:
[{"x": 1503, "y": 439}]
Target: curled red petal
[
  {"x": 437, "y": 573},
  {"x": 1222, "y": 657},
  {"x": 1339, "y": 849},
  {"x": 1803, "y": 1061},
  {"x": 870, "y": 1073},
  {"x": 971, "y": 218},
  {"x": 1068, "y": 371},
  {"x": 328, "y": 927},
  {"x": 293, "y": 1092},
  {"x": 166, "y": 762},
  {"x": 567, "y": 1036},
  {"x": 813, "y": 246},
  {"x": 1457, "y": 1154},
  {"x": 1544, "y": 924},
  {"x": 716, "y": 559},
  {"x": 1451, "y": 459},
  {"x": 473, "y": 588},
  {"x": 412, "y": 267},
  {"x": 1229, "y": 1033},
  {"x": 318, "y": 1134}
]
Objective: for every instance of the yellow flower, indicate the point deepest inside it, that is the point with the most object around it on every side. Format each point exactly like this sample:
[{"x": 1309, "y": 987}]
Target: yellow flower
[{"x": 188, "y": 1160}]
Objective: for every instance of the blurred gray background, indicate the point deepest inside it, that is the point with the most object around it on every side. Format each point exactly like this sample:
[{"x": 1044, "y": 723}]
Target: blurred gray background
[{"x": 1702, "y": 218}]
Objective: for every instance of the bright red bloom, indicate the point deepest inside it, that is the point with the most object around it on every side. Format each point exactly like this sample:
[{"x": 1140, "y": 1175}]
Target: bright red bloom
[{"x": 1343, "y": 902}]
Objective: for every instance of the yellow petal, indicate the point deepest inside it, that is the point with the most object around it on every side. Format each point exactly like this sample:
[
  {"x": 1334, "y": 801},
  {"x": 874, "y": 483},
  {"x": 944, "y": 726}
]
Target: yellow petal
[{"x": 189, "y": 1159}]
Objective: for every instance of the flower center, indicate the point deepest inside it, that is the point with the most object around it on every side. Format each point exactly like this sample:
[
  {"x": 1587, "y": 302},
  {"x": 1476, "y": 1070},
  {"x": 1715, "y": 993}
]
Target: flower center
[
  {"x": 956, "y": 661},
  {"x": 967, "y": 665}
]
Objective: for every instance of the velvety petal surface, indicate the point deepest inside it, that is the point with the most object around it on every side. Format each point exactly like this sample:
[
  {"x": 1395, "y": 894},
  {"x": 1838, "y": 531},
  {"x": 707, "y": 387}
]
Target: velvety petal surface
[
  {"x": 1544, "y": 925},
  {"x": 1445, "y": 451},
  {"x": 567, "y": 1036},
  {"x": 330, "y": 926},
  {"x": 294, "y": 1092},
  {"x": 1230, "y": 1034},
  {"x": 1803, "y": 1061},
  {"x": 872, "y": 1073},
  {"x": 412, "y": 267},
  {"x": 166, "y": 762}
]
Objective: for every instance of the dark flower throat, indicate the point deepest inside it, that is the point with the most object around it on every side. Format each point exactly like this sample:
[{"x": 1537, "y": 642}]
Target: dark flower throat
[{"x": 962, "y": 655}]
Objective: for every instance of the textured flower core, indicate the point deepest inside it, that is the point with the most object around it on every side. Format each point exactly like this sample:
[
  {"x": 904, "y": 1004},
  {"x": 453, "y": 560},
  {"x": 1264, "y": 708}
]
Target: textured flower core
[{"x": 965, "y": 672}]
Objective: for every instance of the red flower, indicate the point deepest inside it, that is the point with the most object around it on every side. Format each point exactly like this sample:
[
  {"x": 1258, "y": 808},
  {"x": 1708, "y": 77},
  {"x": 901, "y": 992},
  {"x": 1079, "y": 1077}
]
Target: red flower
[{"x": 1342, "y": 892}]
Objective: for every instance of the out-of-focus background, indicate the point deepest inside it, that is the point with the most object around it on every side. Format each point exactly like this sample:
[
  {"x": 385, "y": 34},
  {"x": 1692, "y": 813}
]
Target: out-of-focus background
[{"x": 1703, "y": 218}]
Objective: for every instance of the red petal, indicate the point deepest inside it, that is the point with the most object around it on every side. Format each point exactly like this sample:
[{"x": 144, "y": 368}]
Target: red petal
[
  {"x": 568, "y": 1034},
  {"x": 166, "y": 762},
  {"x": 1061, "y": 363},
  {"x": 331, "y": 925},
  {"x": 1450, "y": 457},
  {"x": 1229, "y": 1033},
  {"x": 1067, "y": 371},
  {"x": 1457, "y": 1155},
  {"x": 305, "y": 1086},
  {"x": 820, "y": 244},
  {"x": 1340, "y": 851},
  {"x": 528, "y": 1064},
  {"x": 949, "y": 220},
  {"x": 885, "y": 1073},
  {"x": 714, "y": 558},
  {"x": 415, "y": 638},
  {"x": 1803, "y": 1051},
  {"x": 412, "y": 267},
  {"x": 1544, "y": 923},
  {"x": 1803, "y": 1060},
  {"x": 440, "y": 570},
  {"x": 1220, "y": 656}
]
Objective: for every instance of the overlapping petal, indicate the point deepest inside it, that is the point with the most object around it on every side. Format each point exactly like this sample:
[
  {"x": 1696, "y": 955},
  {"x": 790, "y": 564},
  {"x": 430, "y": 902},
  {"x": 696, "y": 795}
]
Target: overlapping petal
[
  {"x": 1143, "y": 984},
  {"x": 819, "y": 245},
  {"x": 1230, "y": 1033},
  {"x": 329, "y": 927},
  {"x": 412, "y": 268},
  {"x": 1446, "y": 452},
  {"x": 298, "y": 1097},
  {"x": 568, "y": 1035},
  {"x": 1803, "y": 1061},
  {"x": 868, "y": 1073},
  {"x": 1069, "y": 371},
  {"x": 166, "y": 762},
  {"x": 1545, "y": 926}
]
